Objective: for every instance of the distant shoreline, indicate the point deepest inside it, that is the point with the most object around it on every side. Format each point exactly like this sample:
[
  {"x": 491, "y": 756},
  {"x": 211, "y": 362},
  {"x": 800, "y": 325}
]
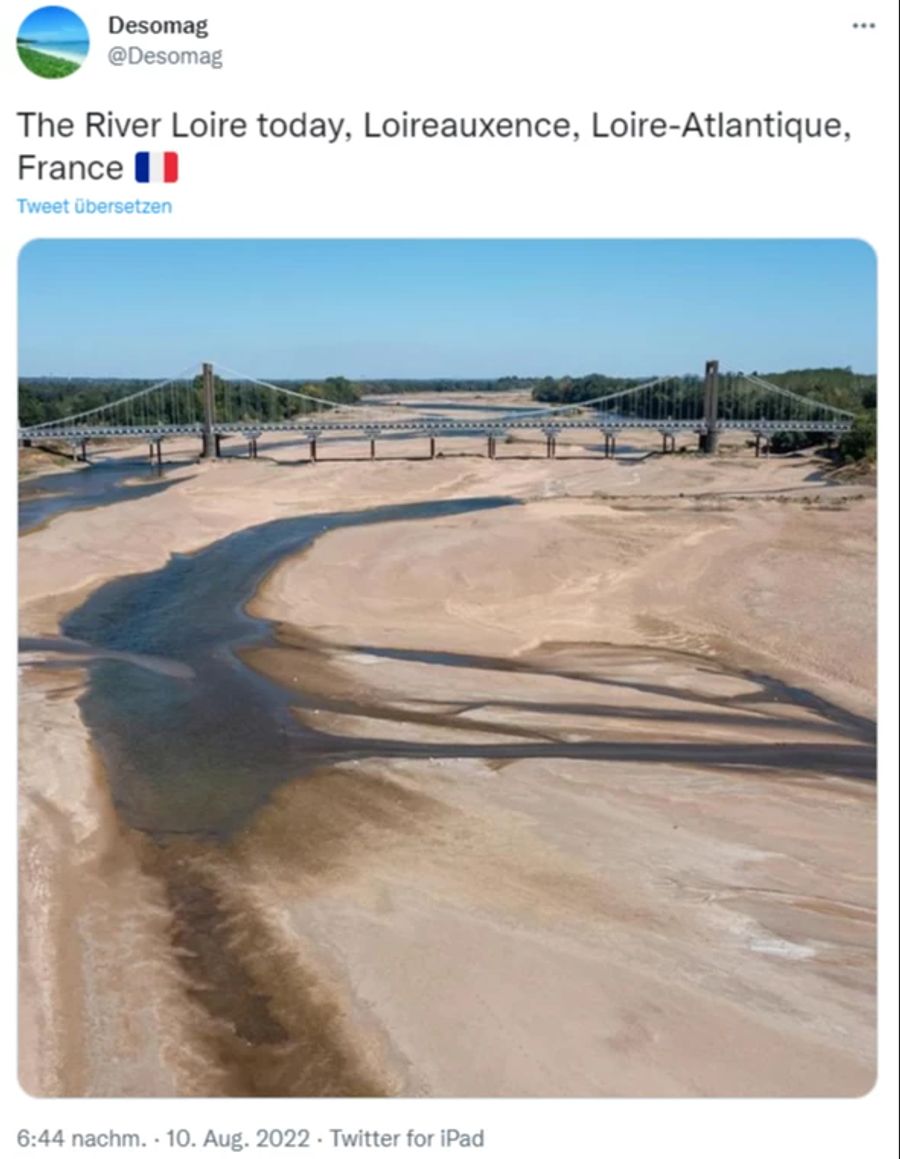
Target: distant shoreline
[{"x": 38, "y": 49}]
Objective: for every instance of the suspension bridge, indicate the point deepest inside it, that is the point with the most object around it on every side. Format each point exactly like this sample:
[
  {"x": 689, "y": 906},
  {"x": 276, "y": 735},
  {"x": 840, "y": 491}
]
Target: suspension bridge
[{"x": 215, "y": 403}]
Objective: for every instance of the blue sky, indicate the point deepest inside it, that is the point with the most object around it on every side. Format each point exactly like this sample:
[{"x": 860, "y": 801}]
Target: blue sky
[
  {"x": 53, "y": 25},
  {"x": 308, "y": 309}
]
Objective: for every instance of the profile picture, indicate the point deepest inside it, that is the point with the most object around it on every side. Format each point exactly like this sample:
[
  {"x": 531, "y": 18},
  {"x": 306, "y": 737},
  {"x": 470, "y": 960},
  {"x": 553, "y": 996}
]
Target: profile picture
[{"x": 53, "y": 42}]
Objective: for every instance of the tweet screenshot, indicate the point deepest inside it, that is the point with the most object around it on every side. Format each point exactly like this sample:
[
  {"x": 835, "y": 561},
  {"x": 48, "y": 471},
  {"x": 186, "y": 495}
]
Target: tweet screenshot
[{"x": 454, "y": 579}]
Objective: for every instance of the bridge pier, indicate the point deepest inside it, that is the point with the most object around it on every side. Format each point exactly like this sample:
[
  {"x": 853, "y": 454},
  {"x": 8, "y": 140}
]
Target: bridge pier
[
  {"x": 211, "y": 443},
  {"x": 212, "y": 446},
  {"x": 371, "y": 448},
  {"x": 313, "y": 452},
  {"x": 756, "y": 441},
  {"x": 84, "y": 453},
  {"x": 491, "y": 449},
  {"x": 431, "y": 447},
  {"x": 709, "y": 442}
]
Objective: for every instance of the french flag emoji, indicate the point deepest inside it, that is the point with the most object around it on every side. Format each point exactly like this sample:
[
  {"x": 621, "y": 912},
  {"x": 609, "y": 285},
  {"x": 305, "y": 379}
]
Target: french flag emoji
[{"x": 155, "y": 167}]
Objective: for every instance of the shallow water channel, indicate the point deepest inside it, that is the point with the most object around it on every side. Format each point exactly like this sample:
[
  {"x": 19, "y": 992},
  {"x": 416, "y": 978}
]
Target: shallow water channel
[
  {"x": 100, "y": 485},
  {"x": 197, "y": 747}
]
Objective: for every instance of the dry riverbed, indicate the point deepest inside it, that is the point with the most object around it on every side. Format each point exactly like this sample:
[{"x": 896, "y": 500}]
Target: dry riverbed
[{"x": 582, "y": 875}]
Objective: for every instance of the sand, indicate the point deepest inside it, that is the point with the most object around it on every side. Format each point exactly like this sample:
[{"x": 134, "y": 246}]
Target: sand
[{"x": 491, "y": 918}]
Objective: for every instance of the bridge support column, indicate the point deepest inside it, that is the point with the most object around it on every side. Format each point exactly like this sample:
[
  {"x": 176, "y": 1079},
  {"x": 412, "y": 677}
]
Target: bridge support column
[
  {"x": 612, "y": 446},
  {"x": 313, "y": 452},
  {"x": 431, "y": 447},
  {"x": 211, "y": 444},
  {"x": 709, "y": 442},
  {"x": 84, "y": 454},
  {"x": 756, "y": 441},
  {"x": 490, "y": 446},
  {"x": 371, "y": 448}
]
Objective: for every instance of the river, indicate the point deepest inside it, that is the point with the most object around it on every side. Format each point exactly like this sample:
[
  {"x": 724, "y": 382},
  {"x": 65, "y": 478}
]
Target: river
[
  {"x": 195, "y": 740},
  {"x": 45, "y": 497}
]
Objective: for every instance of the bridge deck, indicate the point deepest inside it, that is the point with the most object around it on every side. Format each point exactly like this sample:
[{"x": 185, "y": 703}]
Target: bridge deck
[{"x": 437, "y": 428}]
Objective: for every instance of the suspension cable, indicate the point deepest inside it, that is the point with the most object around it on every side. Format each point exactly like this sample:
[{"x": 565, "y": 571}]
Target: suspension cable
[
  {"x": 805, "y": 399},
  {"x": 66, "y": 419},
  {"x": 284, "y": 390},
  {"x": 601, "y": 398}
]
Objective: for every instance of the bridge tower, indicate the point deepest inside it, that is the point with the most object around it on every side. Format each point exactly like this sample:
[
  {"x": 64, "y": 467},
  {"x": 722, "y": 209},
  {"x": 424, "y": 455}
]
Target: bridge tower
[
  {"x": 710, "y": 441},
  {"x": 210, "y": 442}
]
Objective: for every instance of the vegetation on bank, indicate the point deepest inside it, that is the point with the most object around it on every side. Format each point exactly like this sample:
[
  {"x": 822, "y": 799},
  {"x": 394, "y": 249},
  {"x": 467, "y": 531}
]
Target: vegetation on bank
[
  {"x": 49, "y": 67},
  {"x": 840, "y": 387}
]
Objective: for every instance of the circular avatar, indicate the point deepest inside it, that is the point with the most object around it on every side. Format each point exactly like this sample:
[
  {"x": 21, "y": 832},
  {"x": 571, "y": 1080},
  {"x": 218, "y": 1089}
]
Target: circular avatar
[{"x": 53, "y": 42}]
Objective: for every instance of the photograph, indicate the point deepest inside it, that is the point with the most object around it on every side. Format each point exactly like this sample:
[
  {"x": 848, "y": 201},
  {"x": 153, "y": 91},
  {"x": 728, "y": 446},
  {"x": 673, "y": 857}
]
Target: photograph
[{"x": 447, "y": 667}]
